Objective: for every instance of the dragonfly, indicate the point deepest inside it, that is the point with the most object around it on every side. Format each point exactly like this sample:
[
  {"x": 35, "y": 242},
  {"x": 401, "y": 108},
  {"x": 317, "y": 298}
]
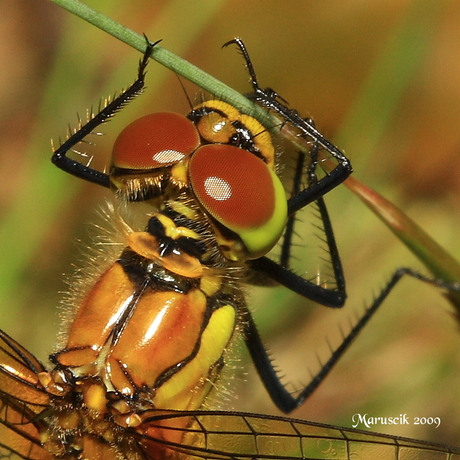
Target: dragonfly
[{"x": 148, "y": 338}]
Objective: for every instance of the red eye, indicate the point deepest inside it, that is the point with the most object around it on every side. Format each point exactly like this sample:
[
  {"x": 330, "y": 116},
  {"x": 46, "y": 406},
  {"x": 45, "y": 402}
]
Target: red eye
[
  {"x": 155, "y": 141},
  {"x": 233, "y": 185}
]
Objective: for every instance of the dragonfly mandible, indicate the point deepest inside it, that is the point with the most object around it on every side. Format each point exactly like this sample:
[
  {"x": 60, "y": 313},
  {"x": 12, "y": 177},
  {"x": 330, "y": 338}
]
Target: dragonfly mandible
[{"x": 147, "y": 340}]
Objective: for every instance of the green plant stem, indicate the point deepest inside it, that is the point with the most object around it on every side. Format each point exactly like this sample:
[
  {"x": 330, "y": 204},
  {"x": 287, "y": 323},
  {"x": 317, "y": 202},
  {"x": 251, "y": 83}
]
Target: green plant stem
[{"x": 168, "y": 59}]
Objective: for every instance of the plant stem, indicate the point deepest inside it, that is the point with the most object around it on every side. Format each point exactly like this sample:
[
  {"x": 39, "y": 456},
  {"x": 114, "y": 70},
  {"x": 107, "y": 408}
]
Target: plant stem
[{"x": 169, "y": 60}]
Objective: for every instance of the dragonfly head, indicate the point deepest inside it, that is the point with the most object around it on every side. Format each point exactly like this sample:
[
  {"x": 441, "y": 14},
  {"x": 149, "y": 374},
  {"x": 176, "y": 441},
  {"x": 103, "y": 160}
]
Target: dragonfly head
[{"x": 225, "y": 159}]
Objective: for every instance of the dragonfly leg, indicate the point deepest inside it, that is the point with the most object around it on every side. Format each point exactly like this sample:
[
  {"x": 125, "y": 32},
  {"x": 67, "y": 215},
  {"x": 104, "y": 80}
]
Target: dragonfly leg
[
  {"x": 281, "y": 397},
  {"x": 272, "y": 101},
  {"x": 81, "y": 170},
  {"x": 331, "y": 297}
]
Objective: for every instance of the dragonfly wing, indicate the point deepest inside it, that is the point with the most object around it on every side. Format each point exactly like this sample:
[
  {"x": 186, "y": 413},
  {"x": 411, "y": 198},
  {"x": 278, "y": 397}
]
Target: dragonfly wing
[
  {"x": 19, "y": 437},
  {"x": 227, "y": 435},
  {"x": 22, "y": 398}
]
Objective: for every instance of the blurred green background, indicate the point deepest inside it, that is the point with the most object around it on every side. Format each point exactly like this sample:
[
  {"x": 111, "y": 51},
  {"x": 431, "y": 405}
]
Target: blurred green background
[{"x": 381, "y": 79}]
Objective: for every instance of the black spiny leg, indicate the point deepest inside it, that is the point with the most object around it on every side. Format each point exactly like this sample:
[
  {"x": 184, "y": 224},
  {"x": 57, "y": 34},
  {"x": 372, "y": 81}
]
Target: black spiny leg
[
  {"x": 281, "y": 397},
  {"x": 286, "y": 244},
  {"x": 313, "y": 192},
  {"x": 330, "y": 297},
  {"x": 81, "y": 170},
  {"x": 272, "y": 101}
]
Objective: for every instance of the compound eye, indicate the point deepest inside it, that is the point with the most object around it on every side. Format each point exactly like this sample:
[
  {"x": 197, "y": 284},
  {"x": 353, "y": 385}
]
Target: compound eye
[
  {"x": 154, "y": 141},
  {"x": 238, "y": 190},
  {"x": 233, "y": 185}
]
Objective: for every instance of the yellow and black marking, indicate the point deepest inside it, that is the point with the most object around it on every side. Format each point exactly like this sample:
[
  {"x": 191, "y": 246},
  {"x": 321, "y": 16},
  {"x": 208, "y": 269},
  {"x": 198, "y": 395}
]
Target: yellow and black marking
[{"x": 219, "y": 122}]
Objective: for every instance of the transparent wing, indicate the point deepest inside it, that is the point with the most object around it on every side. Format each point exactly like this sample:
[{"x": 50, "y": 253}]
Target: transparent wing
[
  {"x": 22, "y": 398},
  {"x": 227, "y": 435},
  {"x": 303, "y": 247},
  {"x": 19, "y": 436}
]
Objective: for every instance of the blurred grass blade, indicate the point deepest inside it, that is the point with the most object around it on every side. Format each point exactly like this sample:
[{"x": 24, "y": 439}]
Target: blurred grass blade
[
  {"x": 393, "y": 71},
  {"x": 438, "y": 261}
]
